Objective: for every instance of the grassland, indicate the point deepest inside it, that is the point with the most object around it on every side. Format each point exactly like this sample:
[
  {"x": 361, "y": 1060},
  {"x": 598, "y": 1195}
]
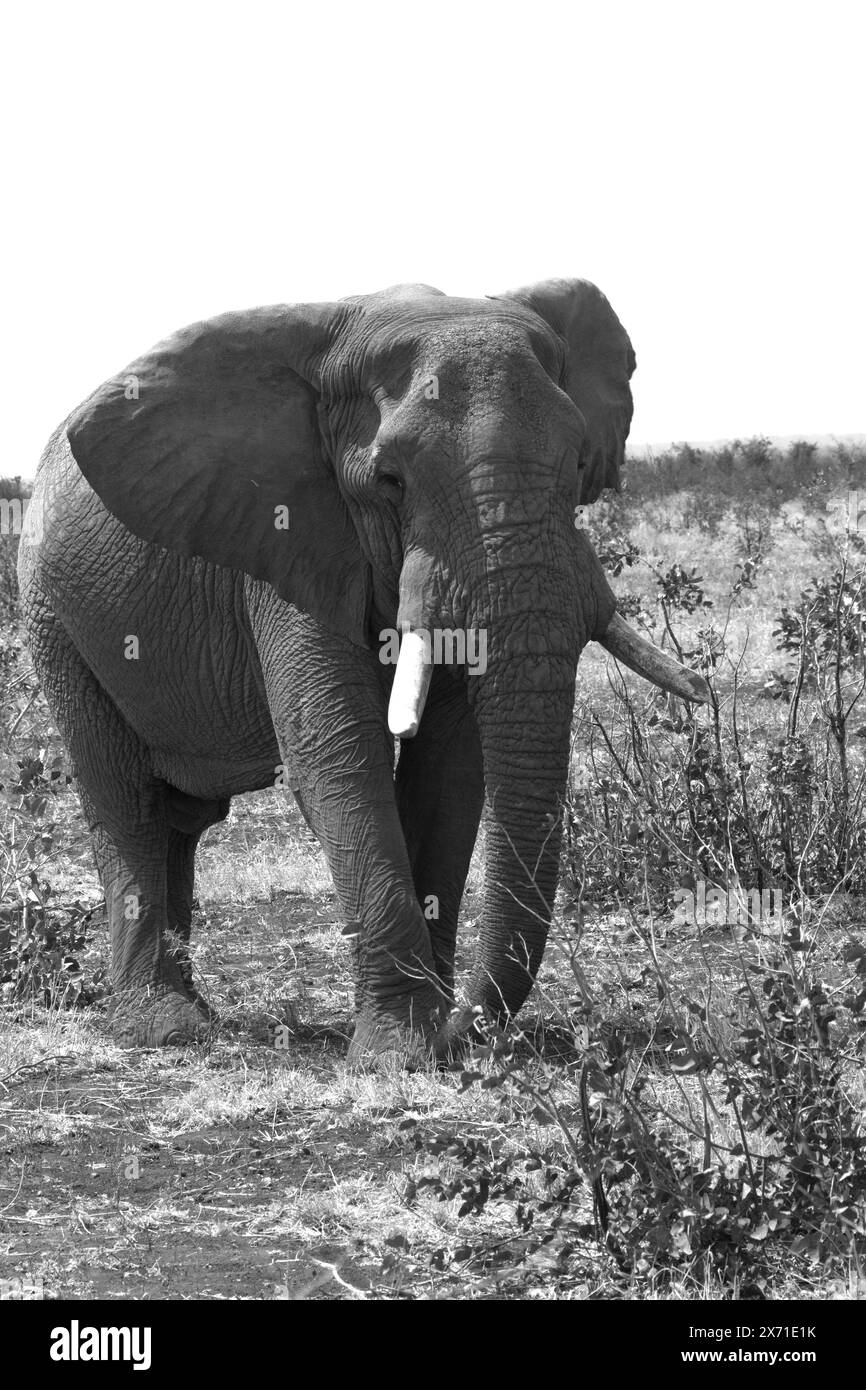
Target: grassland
[{"x": 258, "y": 1166}]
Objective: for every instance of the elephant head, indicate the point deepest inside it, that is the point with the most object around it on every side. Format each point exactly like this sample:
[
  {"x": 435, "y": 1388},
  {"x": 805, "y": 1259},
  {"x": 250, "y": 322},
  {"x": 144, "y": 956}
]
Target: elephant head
[{"x": 408, "y": 460}]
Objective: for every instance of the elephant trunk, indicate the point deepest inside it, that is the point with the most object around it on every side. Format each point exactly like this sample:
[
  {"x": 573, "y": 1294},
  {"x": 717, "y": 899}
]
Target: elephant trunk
[
  {"x": 524, "y": 725},
  {"x": 521, "y": 689},
  {"x": 523, "y": 704},
  {"x": 522, "y": 697}
]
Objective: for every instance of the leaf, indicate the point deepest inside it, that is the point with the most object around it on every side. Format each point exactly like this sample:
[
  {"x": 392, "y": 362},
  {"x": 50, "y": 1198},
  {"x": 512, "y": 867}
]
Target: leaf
[
  {"x": 542, "y": 1117},
  {"x": 683, "y": 1058}
]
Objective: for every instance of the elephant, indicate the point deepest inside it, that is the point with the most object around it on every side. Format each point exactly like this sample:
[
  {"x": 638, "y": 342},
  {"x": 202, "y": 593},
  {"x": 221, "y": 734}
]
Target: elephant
[{"x": 227, "y": 543}]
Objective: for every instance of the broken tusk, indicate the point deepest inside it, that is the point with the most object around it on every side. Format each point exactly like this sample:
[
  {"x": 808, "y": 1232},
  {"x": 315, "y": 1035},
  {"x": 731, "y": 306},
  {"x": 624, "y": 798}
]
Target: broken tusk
[{"x": 656, "y": 666}]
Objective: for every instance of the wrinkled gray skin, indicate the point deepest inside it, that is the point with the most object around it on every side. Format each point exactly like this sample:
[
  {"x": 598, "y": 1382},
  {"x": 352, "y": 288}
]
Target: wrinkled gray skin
[{"x": 431, "y": 452}]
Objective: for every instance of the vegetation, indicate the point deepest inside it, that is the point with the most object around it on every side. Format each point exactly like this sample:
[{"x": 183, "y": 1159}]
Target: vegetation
[{"x": 681, "y": 1114}]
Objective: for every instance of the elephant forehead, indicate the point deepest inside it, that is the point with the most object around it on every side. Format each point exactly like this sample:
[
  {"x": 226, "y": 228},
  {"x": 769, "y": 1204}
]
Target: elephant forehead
[
  {"x": 416, "y": 303},
  {"x": 490, "y": 360},
  {"x": 486, "y": 394},
  {"x": 383, "y": 347}
]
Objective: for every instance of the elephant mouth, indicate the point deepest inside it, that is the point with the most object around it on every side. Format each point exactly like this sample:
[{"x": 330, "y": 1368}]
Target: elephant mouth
[{"x": 415, "y": 669}]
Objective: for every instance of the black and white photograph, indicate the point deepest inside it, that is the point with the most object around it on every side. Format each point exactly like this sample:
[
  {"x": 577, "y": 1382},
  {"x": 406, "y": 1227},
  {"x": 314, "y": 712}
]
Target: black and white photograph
[{"x": 433, "y": 666}]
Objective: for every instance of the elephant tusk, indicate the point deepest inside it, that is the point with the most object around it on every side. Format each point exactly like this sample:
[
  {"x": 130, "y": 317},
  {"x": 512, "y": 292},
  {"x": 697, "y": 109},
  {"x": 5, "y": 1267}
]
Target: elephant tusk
[
  {"x": 656, "y": 666},
  {"x": 411, "y": 684}
]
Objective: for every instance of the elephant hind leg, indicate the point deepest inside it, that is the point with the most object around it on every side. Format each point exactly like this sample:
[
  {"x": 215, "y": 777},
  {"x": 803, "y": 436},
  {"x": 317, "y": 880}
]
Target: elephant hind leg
[
  {"x": 124, "y": 804},
  {"x": 188, "y": 818}
]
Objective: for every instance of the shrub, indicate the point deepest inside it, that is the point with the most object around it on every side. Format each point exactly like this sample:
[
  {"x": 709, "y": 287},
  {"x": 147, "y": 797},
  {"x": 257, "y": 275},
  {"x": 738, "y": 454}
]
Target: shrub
[{"x": 708, "y": 1127}]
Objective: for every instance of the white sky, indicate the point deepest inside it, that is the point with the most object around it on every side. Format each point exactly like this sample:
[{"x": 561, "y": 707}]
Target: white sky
[{"x": 702, "y": 163}]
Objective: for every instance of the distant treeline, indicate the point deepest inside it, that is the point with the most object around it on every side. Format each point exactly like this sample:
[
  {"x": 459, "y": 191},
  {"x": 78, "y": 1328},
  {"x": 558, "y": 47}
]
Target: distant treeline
[
  {"x": 11, "y": 489},
  {"x": 15, "y": 487},
  {"x": 753, "y": 466}
]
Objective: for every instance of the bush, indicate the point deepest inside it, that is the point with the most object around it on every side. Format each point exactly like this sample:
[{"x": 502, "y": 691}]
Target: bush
[
  {"x": 706, "y": 1126},
  {"x": 46, "y": 951},
  {"x": 670, "y": 1193},
  {"x": 11, "y": 489}
]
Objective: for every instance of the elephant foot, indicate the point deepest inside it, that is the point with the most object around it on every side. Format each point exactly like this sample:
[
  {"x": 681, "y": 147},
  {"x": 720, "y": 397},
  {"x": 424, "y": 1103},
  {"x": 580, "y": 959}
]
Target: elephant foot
[
  {"x": 162, "y": 1018},
  {"x": 209, "y": 1013},
  {"x": 405, "y": 1039},
  {"x": 461, "y": 1031}
]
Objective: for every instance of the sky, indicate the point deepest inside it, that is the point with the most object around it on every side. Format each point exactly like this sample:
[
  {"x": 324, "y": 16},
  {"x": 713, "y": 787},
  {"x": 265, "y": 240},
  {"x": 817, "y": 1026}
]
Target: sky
[{"x": 701, "y": 163}]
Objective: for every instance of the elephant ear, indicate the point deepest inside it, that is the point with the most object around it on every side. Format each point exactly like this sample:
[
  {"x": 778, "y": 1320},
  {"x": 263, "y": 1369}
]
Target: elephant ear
[
  {"x": 209, "y": 445},
  {"x": 599, "y": 363}
]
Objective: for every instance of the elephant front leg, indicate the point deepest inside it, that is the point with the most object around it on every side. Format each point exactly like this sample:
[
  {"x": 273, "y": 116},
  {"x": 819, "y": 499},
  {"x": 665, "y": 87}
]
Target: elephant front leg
[
  {"x": 328, "y": 706},
  {"x": 440, "y": 796},
  {"x": 399, "y": 999}
]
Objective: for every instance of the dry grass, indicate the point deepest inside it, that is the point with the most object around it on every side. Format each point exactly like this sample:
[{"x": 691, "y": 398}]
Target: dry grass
[{"x": 237, "y": 1169}]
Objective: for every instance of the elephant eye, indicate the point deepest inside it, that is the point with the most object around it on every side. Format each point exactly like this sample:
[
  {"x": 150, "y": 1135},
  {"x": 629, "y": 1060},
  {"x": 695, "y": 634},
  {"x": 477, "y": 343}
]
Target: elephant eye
[{"x": 391, "y": 485}]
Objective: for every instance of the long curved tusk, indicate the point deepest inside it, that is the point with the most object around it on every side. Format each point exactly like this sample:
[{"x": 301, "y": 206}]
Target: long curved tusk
[
  {"x": 636, "y": 652},
  {"x": 411, "y": 684}
]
